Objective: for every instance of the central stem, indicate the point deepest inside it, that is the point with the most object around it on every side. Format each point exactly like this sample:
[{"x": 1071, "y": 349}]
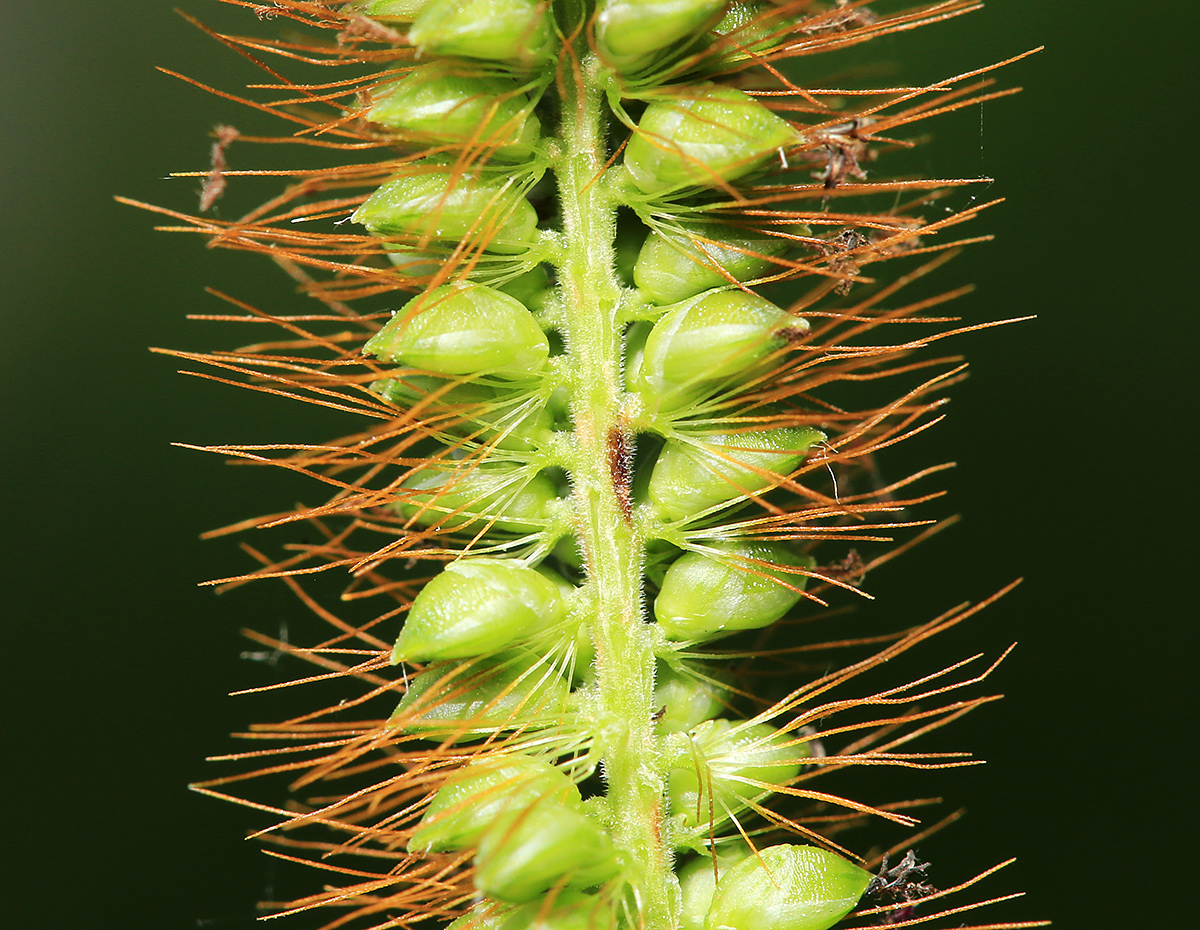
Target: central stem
[{"x": 624, "y": 643}]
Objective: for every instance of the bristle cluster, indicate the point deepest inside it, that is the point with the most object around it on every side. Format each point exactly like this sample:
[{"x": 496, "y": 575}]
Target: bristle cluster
[{"x": 600, "y": 278}]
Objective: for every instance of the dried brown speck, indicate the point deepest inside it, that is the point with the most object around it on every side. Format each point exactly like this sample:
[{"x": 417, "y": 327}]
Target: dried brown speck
[
  {"x": 842, "y": 264},
  {"x": 363, "y": 27},
  {"x": 844, "y": 151},
  {"x": 844, "y": 16},
  {"x": 851, "y": 569},
  {"x": 620, "y": 468},
  {"x": 214, "y": 184}
]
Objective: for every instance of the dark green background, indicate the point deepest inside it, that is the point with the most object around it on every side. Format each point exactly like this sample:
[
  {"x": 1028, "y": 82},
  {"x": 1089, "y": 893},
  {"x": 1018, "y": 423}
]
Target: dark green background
[{"x": 1071, "y": 439}]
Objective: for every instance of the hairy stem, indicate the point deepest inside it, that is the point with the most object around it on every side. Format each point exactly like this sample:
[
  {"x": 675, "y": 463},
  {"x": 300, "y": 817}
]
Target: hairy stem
[{"x": 612, "y": 545}]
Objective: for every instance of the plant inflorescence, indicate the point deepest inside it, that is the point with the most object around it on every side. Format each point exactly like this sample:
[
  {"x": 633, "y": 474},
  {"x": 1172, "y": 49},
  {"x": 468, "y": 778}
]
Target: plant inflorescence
[{"x": 601, "y": 282}]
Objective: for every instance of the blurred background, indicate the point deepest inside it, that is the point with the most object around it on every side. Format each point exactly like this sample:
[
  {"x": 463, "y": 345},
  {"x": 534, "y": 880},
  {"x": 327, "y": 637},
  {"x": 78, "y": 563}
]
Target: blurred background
[{"x": 1070, "y": 438}]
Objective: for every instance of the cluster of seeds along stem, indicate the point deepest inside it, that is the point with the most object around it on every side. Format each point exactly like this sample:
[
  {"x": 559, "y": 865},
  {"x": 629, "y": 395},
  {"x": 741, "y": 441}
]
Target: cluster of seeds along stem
[{"x": 606, "y": 441}]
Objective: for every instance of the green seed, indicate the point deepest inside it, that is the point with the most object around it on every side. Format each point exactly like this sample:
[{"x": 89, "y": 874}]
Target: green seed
[
  {"x": 464, "y": 700},
  {"x": 482, "y": 918},
  {"x": 690, "y": 478},
  {"x": 443, "y": 103},
  {"x": 787, "y": 888},
  {"x": 705, "y": 137},
  {"x": 752, "y": 28},
  {"x": 481, "y": 791},
  {"x": 584, "y": 656},
  {"x": 704, "y": 596},
  {"x": 628, "y": 32},
  {"x": 705, "y": 789},
  {"x": 498, "y": 496},
  {"x": 688, "y": 699},
  {"x": 698, "y": 883},
  {"x": 518, "y": 31},
  {"x": 440, "y": 204},
  {"x": 518, "y": 420},
  {"x": 568, "y": 910},
  {"x": 571, "y": 911},
  {"x": 413, "y": 263},
  {"x": 580, "y": 652},
  {"x": 477, "y": 606},
  {"x": 404, "y": 11},
  {"x": 635, "y": 354},
  {"x": 526, "y": 853},
  {"x": 673, "y": 265},
  {"x": 464, "y": 329},
  {"x": 706, "y": 340},
  {"x": 531, "y": 288},
  {"x": 631, "y": 233}
]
